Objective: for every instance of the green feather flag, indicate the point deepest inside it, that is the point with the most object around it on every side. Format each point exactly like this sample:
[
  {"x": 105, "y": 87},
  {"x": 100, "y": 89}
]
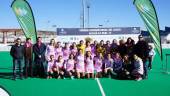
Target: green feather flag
[
  {"x": 148, "y": 14},
  {"x": 25, "y": 18}
]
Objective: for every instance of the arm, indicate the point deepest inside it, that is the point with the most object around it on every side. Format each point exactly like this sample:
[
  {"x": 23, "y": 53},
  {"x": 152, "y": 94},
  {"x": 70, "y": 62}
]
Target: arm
[
  {"x": 12, "y": 51},
  {"x": 35, "y": 51}
]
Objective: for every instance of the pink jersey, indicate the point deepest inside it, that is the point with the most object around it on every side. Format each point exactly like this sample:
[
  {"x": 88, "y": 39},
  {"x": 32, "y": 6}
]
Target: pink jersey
[
  {"x": 66, "y": 53},
  {"x": 74, "y": 51},
  {"x": 88, "y": 49},
  {"x": 80, "y": 63},
  {"x": 50, "y": 65},
  {"x": 98, "y": 64},
  {"x": 59, "y": 64},
  {"x": 89, "y": 65},
  {"x": 58, "y": 51},
  {"x": 50, "y": 50},
  {"x": 70, "y": 64}
]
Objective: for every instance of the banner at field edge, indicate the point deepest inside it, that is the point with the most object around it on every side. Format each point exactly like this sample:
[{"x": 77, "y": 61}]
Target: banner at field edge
[
  {"x": 147, "y": 12},
  {"x": 25, "y": 17}
]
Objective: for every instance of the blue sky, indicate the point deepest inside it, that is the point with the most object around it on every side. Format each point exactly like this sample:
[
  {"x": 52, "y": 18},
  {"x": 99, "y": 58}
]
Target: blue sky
[{"x": 66, "y": 13}]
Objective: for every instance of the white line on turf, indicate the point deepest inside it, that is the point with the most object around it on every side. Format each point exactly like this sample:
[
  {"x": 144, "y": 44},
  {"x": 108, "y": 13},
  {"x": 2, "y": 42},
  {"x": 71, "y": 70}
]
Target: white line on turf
[{"x": 100, "y": 86}]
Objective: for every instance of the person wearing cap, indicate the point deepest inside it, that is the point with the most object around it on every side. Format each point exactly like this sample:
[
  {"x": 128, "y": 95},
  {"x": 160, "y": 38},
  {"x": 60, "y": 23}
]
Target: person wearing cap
[{"x": 141, "y": 49}]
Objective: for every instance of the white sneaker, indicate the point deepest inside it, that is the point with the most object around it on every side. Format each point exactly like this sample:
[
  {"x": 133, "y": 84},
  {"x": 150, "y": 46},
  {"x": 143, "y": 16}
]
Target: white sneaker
[{"x": 138, "y": 79}]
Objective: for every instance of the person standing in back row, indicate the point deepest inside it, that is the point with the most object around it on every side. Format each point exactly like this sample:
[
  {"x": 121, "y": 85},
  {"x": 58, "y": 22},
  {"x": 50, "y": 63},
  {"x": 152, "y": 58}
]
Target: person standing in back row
[
  {"x": 141, "y": 49},
  {"x": 39, "y": 59},
  {"x": 17, "y": 53},
  {"x": 28, "y": 56}
]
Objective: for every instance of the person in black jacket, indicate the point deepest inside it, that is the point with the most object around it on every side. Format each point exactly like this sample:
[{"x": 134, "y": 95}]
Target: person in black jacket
[
  {"x": 122, "y": 49},
  {"x": 39, "y": 58},
  {"x": 141, "y": 49},
  {"x": 17, "y": 53}
]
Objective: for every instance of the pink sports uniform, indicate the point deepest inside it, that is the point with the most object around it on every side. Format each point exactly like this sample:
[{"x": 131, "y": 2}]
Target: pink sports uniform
[
  {"x": 74, "y": 51},
  {"x": 88, "y": 49},
  {"x": 60, "y": 65},
  {"x": 89, "y": 65},
  {"x": 80, "y": 64},
  {"x": 58, "y": 51},
  {"x": 50, "y": 50},
  {"x": 70, "y": 65},
  {"x": 98, "y": 64},
  {"x": 66, "y": 53},
  {"x": 50, "y": 65}
]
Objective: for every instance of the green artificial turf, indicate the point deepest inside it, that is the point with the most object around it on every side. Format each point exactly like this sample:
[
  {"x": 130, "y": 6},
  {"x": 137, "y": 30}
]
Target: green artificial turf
[{"x": 157, "y": 84}]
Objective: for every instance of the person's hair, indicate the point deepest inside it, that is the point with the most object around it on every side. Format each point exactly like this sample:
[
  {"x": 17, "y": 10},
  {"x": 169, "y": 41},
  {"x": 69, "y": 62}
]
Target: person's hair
[
  {"x": 98, "y": 54},
  {"x": 18, "y": 39},
  {"x": 79, "y": 51},
  {"x": 140, "y": 36},
  {"x": 58, "y": 58},
  {"x": 71, "y": 55},
  {"x": 87, "y": 42},
  {"x": 87, "y": 54},
  {"x": 51, "y": 56},
  {"x": 28, "y": 39},
  {"x": 39, "y": 38},
  {"x": 51, "y": 42},
  {"x": 65, "y": 45}
]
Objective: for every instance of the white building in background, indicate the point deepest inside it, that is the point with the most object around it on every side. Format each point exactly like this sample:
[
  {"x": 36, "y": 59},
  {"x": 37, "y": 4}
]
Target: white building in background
[{"x": 76, "y": 34}]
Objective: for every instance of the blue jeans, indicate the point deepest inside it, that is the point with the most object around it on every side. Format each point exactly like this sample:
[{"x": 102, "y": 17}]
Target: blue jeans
[
  {"x": 18, "y": 65},
  {"x": 145, "y": 67}
]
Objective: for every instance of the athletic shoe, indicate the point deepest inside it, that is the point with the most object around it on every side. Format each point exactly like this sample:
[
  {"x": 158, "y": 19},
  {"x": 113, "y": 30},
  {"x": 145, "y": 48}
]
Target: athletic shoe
[{"x": 138, "y": 79}]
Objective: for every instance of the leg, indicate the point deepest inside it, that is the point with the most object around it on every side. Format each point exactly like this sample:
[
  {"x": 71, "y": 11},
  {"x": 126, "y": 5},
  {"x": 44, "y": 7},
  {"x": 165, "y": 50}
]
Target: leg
[
  {"x": 145, "y": 75},
  {"x": 88, "y": 75},
  {"x": 14, "y": 68},
  {"x": 20, "y": 62},
  {"x": 30, "y": 68},
  {"x": 78, "y": 75},
  {"x": 26, "y": 67},
  {"x": 92, "y": 75}
]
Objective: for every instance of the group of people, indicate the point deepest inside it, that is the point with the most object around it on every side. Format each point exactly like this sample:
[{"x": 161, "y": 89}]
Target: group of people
[{"x": 119, "y": 59}]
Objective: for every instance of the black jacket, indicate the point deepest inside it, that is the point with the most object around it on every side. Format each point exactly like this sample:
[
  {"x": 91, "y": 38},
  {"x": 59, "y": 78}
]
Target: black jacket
[
  {"x": 39, "y": 51},
  {"x": 142, "y": 49},
  {"x": 17, "y": 51}
]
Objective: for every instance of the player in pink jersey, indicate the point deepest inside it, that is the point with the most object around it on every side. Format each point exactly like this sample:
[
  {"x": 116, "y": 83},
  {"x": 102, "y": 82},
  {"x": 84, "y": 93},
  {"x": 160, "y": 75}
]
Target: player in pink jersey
[
  {"x": 70, "y": 69},
  {"x": 74, "y": 49},
  {"x": 50, "y": 50},
  {"x": 58, "y": 50},
  {"x": 66, "y": 51},
  {"x": 50, "y": 67},
  {"x": 98, "y": 63},
  {"x": 88, "y": 47},
  {"x": 108, "y": 65},
  {"x": 94, "y": 48},
  {"x": 89, "y": 65},
  {"x": 59, "y": 68},
  {"x": 80, "y": 64}
]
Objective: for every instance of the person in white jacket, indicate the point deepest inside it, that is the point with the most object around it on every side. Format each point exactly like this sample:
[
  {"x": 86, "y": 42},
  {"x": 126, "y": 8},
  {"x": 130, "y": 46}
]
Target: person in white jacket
[
  {"x": 138, "y": 68},
  {"x": 151, "y": 56}
]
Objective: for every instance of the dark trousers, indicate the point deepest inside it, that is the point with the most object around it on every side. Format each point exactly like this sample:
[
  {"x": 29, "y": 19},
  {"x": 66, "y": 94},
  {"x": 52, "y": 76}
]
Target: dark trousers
[
  {"x": 28, "y": 68},
  {"x": 145, "y": 67},
  {"x": 17, "y": 65},
  {"x": 150, "y": 62},
  {"x": 40, "y": 69}
]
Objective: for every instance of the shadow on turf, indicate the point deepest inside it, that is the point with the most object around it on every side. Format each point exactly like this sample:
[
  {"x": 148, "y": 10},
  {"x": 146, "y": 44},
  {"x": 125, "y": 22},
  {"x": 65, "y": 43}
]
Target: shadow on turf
[{"x": 6, "y": 75}]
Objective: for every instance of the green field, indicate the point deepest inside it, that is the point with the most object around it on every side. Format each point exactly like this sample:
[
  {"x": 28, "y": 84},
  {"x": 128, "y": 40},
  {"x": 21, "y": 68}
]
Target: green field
[{"x": 158, "y": 84}]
